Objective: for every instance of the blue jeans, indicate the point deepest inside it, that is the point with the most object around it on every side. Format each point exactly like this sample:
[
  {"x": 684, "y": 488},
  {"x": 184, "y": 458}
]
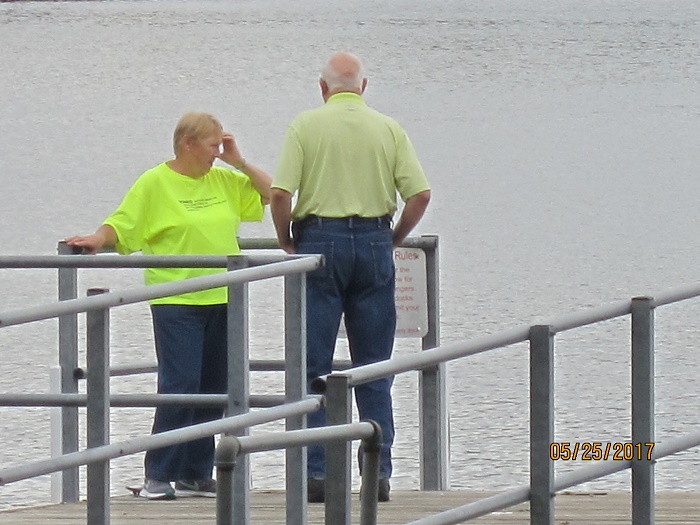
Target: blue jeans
[
  {"x": 192, "y": 359},
  {"x": 358, "y": 281}
]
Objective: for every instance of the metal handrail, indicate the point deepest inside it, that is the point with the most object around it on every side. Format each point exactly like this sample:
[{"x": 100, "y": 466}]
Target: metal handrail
[
  {"x": 256, "y": 365},
  {"x": 448, "y": 352},
  {"x": 101, "y": 301},
  {"x": 157, "y": 291},
  {"x": 445, "y": 353},
  {"x": 109, "y": 260},
  {"x": 163, "y": 439},
  {"x": 641, "y": 310},
  {"x": 134, "y": 400}
]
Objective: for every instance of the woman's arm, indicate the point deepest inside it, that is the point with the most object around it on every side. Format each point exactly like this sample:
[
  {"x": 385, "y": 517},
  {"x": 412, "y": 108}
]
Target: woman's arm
[
  {"x": 232, "y": 155},
  {"x": 104, "y": 236}
]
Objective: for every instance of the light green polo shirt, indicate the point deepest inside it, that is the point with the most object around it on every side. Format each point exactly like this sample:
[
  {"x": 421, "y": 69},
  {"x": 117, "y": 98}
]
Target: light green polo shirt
[
  {"x": 346, "y": 159},
  {"x": 166, "y": 213}
]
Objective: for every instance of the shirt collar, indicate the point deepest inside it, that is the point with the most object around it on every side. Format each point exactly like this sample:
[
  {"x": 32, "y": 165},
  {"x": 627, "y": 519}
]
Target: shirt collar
[{"x": 346, "y": 96}]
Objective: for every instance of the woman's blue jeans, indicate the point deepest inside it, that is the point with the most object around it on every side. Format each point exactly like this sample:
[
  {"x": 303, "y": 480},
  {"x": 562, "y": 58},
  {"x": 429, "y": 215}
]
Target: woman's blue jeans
[
  {"x": 192, "y": 359},
  {"x": 357, "y": 280}
]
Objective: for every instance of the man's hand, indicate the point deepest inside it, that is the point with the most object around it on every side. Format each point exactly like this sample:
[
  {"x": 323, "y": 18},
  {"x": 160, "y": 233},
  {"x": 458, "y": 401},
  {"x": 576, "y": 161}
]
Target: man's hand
[{"x": 288, "y": 246}]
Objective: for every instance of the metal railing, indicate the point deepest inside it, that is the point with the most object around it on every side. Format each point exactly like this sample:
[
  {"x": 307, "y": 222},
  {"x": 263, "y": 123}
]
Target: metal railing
[
  {"x": 243, "y": 269},
  {"x": 230, "y": 448},
  {"x": 336, "y": 389},
  {"x": 98, "y": 400},
  {"x": 543, "y": 484}
]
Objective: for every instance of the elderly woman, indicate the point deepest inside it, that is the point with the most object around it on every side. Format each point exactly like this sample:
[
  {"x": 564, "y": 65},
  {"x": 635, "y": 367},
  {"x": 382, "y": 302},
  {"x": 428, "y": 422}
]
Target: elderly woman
[{"x": 186, "y": 206}]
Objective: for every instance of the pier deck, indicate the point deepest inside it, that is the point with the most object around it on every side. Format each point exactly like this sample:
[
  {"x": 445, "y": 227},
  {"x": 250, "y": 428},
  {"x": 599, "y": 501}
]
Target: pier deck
[{"x": 267, "y": 508}]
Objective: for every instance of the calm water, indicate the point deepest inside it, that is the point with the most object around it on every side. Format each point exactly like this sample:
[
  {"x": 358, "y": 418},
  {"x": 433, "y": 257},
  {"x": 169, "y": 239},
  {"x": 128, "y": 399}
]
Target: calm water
[{"x": 561, "y": 141}]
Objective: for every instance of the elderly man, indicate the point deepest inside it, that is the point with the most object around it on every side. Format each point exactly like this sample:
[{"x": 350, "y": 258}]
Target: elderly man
[{"x": 346, "y": 162}]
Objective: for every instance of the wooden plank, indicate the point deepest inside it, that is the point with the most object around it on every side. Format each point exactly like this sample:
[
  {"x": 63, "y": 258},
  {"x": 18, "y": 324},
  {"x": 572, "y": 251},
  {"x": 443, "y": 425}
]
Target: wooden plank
[{"x": 572, "y": 508}]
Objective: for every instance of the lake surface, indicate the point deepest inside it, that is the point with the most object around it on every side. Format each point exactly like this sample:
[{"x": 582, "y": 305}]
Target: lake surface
[{"x": 560, "y": 139}]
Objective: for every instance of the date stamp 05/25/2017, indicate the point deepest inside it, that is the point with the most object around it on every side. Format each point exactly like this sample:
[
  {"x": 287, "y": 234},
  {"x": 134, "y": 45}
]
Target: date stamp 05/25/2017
[{"x": 596, "y": 451}]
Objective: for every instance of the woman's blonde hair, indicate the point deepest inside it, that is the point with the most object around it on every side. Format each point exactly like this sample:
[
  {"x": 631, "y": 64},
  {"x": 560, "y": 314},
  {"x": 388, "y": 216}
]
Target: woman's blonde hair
[{"x": 195, "y": 125}]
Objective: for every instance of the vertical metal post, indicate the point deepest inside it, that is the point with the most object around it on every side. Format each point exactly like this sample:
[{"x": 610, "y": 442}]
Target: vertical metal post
[
  {"x": 239, "y": 383},
  {"x": 434, "y": 423},
  {"x": 371, "y": 448},
  {"x": 338, "y": 452},
  {"x": 56, "y": 430},
  {"x": 295, "y": 390},
  {"x": 68, "y": 362},
  {"x": 97, "y": 359},
  {"x": 541, "y": 425},
  {"x": 225, "y": 461},
  {"x": 642, "y": 410}
]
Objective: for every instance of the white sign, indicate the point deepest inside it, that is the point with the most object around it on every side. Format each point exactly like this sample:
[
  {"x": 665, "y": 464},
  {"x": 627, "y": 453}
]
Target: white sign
[{"x": 411, "y": 293}]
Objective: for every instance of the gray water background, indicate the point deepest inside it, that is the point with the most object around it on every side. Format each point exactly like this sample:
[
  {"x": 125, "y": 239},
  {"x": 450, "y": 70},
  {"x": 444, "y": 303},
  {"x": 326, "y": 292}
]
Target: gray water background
[{"x": 560, "y": 138}]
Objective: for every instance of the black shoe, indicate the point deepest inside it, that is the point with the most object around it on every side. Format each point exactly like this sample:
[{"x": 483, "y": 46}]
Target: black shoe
[
  {"x": 383, "y": 489},
  {"x": 316, "y": 490}
]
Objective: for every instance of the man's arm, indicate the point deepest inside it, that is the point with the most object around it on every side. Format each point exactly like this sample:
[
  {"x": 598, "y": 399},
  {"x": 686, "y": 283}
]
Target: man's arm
[
  {"x": 411, "y": 214},
  {"x": 281, "y": 208}
]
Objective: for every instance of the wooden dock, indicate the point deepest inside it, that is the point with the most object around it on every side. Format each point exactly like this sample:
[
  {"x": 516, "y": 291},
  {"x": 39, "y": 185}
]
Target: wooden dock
[{"x": 267, "y": 508}]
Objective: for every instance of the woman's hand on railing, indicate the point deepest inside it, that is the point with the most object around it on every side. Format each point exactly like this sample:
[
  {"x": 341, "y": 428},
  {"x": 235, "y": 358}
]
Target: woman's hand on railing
[{"x": 104, "y": 236}]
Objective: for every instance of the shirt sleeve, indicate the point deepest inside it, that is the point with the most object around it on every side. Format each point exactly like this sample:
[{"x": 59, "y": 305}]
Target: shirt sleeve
[
  {"x": 409, "y": 175},
  {"x": 291, "y": 163},
  {"x": 251, "y": 205},
  {"x": 128, "y": 221}
]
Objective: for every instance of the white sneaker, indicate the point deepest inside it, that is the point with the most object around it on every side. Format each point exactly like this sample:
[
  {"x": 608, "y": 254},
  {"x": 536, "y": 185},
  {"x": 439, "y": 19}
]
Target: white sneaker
[{"x": 154, "y": 489}]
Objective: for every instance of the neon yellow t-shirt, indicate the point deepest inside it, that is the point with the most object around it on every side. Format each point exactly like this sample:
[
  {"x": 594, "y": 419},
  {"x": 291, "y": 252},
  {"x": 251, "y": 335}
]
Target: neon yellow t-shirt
[
  {"x": 166, "y": 213},
  {"x": 345, "y": 158}
]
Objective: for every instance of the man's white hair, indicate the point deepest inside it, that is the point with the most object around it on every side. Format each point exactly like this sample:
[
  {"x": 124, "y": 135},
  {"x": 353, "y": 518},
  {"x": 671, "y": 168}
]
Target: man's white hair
[{"x": 345, "y": 79}]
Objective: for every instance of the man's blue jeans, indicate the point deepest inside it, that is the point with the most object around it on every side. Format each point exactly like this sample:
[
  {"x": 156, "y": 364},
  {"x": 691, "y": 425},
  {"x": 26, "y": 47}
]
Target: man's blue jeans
[
  {"x": 358, "y": 281},
  {"x": 192, "y": 359}
]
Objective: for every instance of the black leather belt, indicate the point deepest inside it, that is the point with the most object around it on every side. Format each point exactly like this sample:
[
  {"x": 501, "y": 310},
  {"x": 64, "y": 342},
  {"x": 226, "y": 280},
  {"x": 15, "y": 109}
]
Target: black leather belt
[{"x": 350, "y": 221}]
